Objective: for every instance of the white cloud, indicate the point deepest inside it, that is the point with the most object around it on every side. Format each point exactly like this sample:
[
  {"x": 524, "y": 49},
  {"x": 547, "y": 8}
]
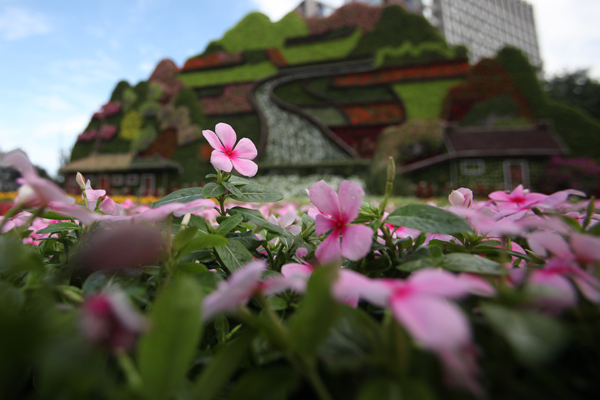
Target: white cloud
[
  {"x": 146, "y": 67},
  {"x": 17, "y": 23},
  {"x": 275, "y": 9}
]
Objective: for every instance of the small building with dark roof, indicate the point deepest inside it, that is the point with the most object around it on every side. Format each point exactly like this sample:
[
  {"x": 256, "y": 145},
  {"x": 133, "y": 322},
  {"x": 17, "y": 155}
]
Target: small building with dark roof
[
  {"x": 488, "y": 159},
  {"x": 123, "y": 173}
]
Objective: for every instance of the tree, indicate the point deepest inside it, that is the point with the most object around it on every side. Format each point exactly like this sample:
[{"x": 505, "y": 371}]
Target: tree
[{"x": 576, "y": 88}]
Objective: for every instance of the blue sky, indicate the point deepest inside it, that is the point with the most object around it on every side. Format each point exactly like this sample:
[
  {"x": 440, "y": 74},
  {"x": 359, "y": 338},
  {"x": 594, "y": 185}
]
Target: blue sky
[{"x": 58, "y": 64}]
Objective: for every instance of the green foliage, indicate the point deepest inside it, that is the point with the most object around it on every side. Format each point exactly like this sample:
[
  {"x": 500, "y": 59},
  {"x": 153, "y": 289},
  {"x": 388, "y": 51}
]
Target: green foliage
[
  {"x": 409, "y": 54},
  {"x": 187, "y": 98},
  {"x": 395, "y": 27},
  {"x": 424, "y": 100},
  {"x": 577, "y": 89},
  {"x": 456, "y": 262},
  {"x": 328, "y": 115},
  {"x": 234, "y": 255},
  {"x": 580, "y": 132},
  {"x": 359, "y": 94},
  {"x": 294, "y": 93},
  {"x": 194, "y": 169},
  {"x": 242, "y": 73},
  {"x": 129, "y": 98},
  {"x": 180, "y": 196},
  {"x": 257, "y": 194},
  {"x": 130, "y": 126},
  {"x": 213, "y": 47},
  {"x": 255, "y": 56},
  {"x": 428, "y": 219},
  {"x": 166, "y": 351},
  {"x": 144, "y": 139},
  {"x": 116, "y": 145},
  {"x": 322, "y": 51},
  {"x": 501, "y": 110},
  {"x": 256, "y": 31},
  {"x": 118, "y": 92},
  {"x": 81, "y": 150}
]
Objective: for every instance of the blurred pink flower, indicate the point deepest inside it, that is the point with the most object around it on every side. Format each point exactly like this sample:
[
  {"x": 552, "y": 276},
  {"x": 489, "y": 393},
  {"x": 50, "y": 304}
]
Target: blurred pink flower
[
  {"x": 461, "y": 197},
  {"x": 109, "y": 319},
  {"x": 226, "y": 155},
  {"x": 338, "y": 213}
]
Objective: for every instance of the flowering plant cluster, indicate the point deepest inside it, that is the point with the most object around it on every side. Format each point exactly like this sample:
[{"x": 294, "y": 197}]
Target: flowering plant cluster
[
  {"x": 276, "y": 57},
  {"x": 444, "y": 69},
  {"x": 108, "y": 110},
  {"x": 233, "y": 100},
  {"x": 106, "y": 132},
  {"x": 213, "y": 60},
  {"x": 374, "y": 113},
  {"x": 198, "y": 298}
]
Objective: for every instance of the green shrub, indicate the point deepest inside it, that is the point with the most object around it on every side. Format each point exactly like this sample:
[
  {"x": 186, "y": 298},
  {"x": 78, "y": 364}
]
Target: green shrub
[
  {"x": 357, "y": 94},
  {"x": 395, "y": 27},
  {"x": 213, "y": 47},
  {"x": 144, "y": 139},
  {"x": 115, "y": 145},
  {"x": 81, "y": 150},
  {"x": 424, "y": 100},
  {"x": 117, "y": 93},
  {"x": 321, "y": 51},
  {"x": 255, "y": 56},
  {"x": 242, "y": 73},
  {"x": 256, "y": 31},
  {"x": 130, "y": 126},
  {"x": 187, "y": 98},
  {"x": 501, "y": 109},
  {"x": 294, "y": 93},
  {"x": 580, "y": 132},
  {"x": 194, "y": 169},
  {"x": 409, "y": 54},
  {"x": 129, "y": 98}
]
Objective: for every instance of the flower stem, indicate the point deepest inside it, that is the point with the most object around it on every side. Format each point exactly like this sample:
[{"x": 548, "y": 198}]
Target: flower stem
[{"x": 134, "y": 380}]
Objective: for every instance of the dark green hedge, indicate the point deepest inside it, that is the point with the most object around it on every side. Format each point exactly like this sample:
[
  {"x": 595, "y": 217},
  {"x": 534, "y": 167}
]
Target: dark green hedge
[
  {"x": 579, "y": 131},
  {"x": 194, "y": 169},
  {"x": 352, "y": 94},
  {"x": 117, "y": 93},
  {"x": 81, "y": 150},
  {"x": 394, "y": 28},
  {"x": 293, "y": 92}
]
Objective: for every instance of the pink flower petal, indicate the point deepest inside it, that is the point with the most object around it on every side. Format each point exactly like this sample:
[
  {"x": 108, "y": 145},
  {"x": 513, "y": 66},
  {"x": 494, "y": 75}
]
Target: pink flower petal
[
  {"x": 586, "y": 247},
  {"x": 245, "y": 167},
  {"x": 245, "y": 149},
  {"x": 477, "y": 285},
  {"x": 350, "y": 197},
  {"x": 323, "y": 224},
  {"x": 541, "y": 242},
  {"x": 20, "y": 161},
  {"x": 213, "y": 140},
  {"x": 437, "y": 282},
  {"x": 325, "y": 199},
  {"x": 356, "y": 241},
  {"x": 435, "y": 323},
  {"x": 220, "y": 161},
  {"x": 226, "y": 134},
  {"x": 329, "y": 251}
]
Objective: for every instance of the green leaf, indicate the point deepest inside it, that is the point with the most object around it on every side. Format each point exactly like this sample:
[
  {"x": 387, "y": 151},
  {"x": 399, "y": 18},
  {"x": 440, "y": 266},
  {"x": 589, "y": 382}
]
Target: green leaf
[
  {"x": 428, "y": 219},
  {"x": 535, "y": 338},
  {"x": 180, "y": 196},
  {"x": 234, "y": 255},
  {"x": 229, "y": 224},
  {"x": 316, "y": 314},
  {"x": 128, "y": 282},
  {"x": 238, "y": 181},
  {"x": 232, "y": 188},
  {"x": 17, "y": 258},
  {"x": 272, "y": 383},
  {"x": 253, "y": 193},
  {"x": 248, "y": 214},
  {"x": 457, "y": 262},
  {"x": 251, "y": 216},
  {"x": 352, "y": 342},
  {"x": 60, "y": 227},
  {"x": 225, "y": 362},
  {"x": 204, "y": 241},
  {"x": 595, "y": 230},
  {"x": 191, "y": 268},
  {"x": 212, "y": 190},
  {"x": 55, "y": 216},
  {"x": 183, "y": 237},
  {"x": 166, "y": 351},
  {"x": 248, "y": 239}
]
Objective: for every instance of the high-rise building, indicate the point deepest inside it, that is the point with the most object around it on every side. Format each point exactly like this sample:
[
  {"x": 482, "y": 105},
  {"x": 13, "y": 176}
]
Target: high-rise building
[
  {"x": 415, "y": 6},
  {"x": 485, "y": 26},
  {"x": 313, "y": 8}
]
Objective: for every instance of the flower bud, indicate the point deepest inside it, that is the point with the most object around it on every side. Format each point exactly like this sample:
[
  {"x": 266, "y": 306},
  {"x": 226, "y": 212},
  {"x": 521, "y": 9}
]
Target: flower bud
[
  {"x": 391, "y": 170},
  {"x": 461, "y": 198},
  {"x": 80, "y": 180}
]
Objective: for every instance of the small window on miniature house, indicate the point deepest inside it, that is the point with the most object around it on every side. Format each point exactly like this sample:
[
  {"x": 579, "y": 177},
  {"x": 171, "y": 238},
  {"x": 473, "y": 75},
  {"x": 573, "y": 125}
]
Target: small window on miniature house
[
  {"x": 472, "y": 167},
  {"x": 132, "y": 179},
  {"x": 118, "y": 180}
]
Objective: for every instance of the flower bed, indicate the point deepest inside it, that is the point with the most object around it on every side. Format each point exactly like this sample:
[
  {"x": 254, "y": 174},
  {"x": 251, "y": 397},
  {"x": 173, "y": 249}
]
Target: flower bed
[
  {"x": 448, "y": 69},
  {"x": 353, "y": 14},
  {"x": 373, "y": 113},
  {"x": 222, "y": 292},
  {"x": 214, "y": 60},
  {"x": 233, "y": 100}
]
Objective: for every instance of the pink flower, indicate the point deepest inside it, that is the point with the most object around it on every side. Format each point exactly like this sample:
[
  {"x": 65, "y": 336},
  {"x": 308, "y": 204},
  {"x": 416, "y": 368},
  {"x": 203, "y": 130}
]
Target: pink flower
[
  {"x": 35, "y": 191},
  {"x": 338, "y": 213},
  {"x": 235, "y": 291},
  {"x": 226, "y": 155},
  {"x": 461, "y": 198},
  {"x": 92, "y": 195},
  {"x": 110, "y": 320},
  {"x": 286, "y": 222}
]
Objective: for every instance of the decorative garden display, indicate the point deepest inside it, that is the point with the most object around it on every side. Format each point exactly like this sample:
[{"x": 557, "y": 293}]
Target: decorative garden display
[{"x": 223, "y": 291}]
